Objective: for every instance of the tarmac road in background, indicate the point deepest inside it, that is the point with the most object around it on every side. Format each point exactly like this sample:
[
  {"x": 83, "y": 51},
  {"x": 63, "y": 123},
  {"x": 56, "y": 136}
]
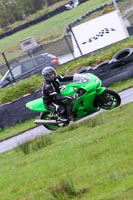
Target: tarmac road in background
[{"x": 126, "y": 97}]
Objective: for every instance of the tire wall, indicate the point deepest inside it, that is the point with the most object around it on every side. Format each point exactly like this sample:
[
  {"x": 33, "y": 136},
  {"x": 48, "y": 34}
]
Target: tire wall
[
  {"x": 15, "y": 112},
  {"x": 119, "y": 68}
]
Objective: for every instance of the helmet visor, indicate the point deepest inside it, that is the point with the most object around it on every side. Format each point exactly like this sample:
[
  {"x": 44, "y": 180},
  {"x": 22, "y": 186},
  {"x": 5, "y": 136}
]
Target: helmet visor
[{"x": 52, "y": 76}]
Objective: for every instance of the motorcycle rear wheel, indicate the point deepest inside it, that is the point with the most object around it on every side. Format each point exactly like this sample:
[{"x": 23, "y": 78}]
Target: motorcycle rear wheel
[
  {"x": 108, "y": 100},
  {"x": 52, "y": 127}
]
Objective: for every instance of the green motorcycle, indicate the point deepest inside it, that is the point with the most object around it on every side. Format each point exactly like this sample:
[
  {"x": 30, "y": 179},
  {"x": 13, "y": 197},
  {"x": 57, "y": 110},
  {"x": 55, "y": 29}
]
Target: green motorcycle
[{"x": 89, "y": 97}]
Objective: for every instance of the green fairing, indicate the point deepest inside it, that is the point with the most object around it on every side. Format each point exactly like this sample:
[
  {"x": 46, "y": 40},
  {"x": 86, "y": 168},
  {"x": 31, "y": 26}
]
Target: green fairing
[
  {"x": 84, "y": 103},
  {"x": 37, "y": 105}
]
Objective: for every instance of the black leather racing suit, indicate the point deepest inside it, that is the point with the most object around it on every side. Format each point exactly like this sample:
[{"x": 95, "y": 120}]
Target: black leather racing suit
[{"x": 51, "y": 95}]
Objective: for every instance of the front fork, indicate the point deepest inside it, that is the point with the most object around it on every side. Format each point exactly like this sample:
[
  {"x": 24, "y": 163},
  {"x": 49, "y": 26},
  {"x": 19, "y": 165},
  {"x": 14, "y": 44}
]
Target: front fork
[
  {"x": 98, "y": 97},
  {"x": 100, "y": 90}
]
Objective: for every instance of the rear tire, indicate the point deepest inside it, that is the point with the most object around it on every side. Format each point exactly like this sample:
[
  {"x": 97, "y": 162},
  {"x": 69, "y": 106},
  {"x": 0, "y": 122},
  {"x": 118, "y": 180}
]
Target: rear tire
[
  {"x": 46, "y": 116},
  {"x": 108, "y": 100},
  {"x": 52, "y": 127}
]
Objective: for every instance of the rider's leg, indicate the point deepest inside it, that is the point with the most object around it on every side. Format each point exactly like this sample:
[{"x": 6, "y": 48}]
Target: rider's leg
[
  {"x": 69, "y": 110},
  {"x": 61, "y": 111},
  {"x": 59, "y": 108},
  {"x": 48, "y": 106}
]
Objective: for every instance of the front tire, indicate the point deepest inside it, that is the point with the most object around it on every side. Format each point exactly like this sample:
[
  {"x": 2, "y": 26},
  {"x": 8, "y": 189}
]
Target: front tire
[{"x": 108, "y": 100}]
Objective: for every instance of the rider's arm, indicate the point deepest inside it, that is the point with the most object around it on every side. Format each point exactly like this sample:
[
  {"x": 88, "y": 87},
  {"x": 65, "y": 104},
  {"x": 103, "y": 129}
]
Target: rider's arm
[
  {"x": 65, "y": 78},
  {"x": 50, "y": 90}
]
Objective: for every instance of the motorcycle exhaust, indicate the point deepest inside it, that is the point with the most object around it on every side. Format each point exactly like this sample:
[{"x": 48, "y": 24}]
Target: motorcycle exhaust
[{"x": 42, "y": 122}]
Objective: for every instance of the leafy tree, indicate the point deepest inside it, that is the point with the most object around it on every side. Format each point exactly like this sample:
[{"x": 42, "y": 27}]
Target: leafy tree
[{"x": 16, "y": 10}]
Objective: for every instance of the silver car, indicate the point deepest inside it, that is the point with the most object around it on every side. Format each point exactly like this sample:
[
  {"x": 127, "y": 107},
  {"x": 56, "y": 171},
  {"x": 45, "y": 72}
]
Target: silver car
[{"x": 28, "y": 68}]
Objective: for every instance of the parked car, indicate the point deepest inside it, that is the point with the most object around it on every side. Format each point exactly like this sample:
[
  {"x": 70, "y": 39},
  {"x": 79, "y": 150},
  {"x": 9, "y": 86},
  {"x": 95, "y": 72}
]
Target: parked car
[
  {"x": 72, "y": 4},
  {"x": 28, "y": 68}
]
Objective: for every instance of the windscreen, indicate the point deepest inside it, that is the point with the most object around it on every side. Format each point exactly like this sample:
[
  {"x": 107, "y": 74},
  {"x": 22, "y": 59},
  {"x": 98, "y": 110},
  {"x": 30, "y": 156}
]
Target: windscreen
[{"x": 81, "y": 78}]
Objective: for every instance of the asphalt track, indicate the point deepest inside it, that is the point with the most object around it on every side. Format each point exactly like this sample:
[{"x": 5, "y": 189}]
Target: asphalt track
[{"x": 126, "y": 97}]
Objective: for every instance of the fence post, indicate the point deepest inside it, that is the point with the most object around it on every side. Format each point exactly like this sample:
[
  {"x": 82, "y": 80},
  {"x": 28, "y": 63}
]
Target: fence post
[{"x": 8, "y": 66}]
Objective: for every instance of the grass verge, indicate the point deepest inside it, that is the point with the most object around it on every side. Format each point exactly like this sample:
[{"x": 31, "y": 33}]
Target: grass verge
[{"x": 90, "y": 160}]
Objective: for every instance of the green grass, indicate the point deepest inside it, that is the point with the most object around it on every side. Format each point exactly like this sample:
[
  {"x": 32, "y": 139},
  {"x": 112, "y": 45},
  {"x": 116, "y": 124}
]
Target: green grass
[
  {"x": 19, "y": 128},
  {"x": 20, "y": 88},
  {"x": 90, "y": 160},
  {"x": 122, "y": 85}
]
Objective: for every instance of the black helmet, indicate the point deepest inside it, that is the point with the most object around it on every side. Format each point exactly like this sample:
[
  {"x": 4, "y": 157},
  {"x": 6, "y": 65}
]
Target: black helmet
[{"x": 49, "y": 73}]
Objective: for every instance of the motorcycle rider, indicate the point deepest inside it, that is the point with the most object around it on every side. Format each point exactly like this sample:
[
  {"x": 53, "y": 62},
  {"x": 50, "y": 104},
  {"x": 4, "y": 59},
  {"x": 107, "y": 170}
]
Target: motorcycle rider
[{"x": 51, "y": 93}]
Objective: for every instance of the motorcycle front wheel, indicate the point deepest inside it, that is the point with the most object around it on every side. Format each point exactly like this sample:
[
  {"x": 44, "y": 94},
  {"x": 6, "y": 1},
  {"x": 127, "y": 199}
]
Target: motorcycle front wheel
[{"x": 108, "y": 100}]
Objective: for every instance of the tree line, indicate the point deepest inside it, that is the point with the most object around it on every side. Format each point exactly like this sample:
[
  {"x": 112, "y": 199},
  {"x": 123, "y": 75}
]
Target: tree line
[{"x": 12, "y": 11}]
